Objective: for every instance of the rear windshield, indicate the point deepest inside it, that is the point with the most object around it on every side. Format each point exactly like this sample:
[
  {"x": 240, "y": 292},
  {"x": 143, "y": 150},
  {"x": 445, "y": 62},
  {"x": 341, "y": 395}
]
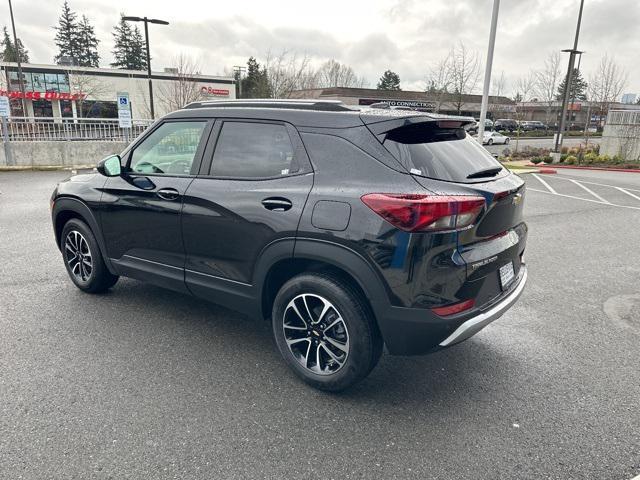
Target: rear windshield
[{"x": 440, "y": 153}]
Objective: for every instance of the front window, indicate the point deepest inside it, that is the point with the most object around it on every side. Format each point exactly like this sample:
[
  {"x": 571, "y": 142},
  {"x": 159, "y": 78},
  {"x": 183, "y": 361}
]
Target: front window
[{"x": 169, "y": 150}]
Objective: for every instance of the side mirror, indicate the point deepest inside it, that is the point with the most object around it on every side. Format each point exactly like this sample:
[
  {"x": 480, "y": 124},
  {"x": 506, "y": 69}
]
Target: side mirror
[{"x": 110, "y": 166}]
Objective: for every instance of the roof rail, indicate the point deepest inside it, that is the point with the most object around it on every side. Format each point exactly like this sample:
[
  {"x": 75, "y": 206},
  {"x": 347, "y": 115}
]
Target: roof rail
[{"x": 302, "y": 104}]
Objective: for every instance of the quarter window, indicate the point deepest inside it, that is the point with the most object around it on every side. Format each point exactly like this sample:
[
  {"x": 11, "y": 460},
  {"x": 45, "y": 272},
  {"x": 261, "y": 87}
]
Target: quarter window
[
  {"x": 169, "y": 150},
  {"x": 253, "y": 150}
]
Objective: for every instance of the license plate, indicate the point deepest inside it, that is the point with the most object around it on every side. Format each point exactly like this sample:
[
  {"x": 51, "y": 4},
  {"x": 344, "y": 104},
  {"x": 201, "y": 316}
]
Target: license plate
[{"x": 506, "y": 275}]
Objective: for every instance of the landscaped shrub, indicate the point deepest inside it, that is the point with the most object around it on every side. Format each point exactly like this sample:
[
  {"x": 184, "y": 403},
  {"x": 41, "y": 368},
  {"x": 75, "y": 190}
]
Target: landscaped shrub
[
  {"x": 536, "y": 160},
  {"x": 571, "y": 160},
  {"x": 548, "y": 159}
]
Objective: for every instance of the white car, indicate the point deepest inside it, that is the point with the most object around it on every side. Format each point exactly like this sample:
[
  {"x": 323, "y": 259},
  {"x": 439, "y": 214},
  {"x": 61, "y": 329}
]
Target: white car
[{"x": 494, "y": 138}]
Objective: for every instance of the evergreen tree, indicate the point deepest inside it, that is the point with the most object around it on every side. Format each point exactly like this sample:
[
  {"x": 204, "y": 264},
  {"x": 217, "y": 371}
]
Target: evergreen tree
[
  {"x": 389, "y": 81},
  {"x": 578, "y": 87},
  {"x": 256, "y": 83},
  {"x": 129, "y": 48},
  {"x": 8, "y": 52},
  {"x": 87, "y": 44},
  {"x": 67, "y": 35}
]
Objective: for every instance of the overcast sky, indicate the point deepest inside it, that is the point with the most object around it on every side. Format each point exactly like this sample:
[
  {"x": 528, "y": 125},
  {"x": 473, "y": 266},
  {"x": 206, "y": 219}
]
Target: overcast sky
[{"x": 370, "y": 35}]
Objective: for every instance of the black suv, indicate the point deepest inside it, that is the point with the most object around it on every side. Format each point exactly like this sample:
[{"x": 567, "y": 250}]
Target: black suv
[{"x": 348, "y": 229}]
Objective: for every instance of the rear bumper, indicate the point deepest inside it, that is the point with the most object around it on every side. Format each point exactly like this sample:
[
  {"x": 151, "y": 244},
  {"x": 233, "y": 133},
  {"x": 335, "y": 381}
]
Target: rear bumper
[
  {"x": 477, "y": 323},
  {"x": 412, "y": 331}
]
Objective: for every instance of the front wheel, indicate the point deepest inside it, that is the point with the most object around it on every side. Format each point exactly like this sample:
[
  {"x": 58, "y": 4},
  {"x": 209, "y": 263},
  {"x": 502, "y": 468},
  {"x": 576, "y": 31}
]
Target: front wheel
[
  {"x": 490, "y": 141},
  {"x": 506, "y": 141},
  {"x": 325, "y": 331},
  {"x": 83, "y": 259}
]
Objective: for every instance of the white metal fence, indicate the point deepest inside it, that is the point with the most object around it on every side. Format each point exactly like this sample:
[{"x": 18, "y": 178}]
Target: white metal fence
[
  {"x": 35, "y": 129},
  {"x": 623, "y": 117}
]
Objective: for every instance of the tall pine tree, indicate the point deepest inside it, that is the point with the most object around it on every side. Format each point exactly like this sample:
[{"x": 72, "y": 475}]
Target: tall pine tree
[
  {"x": 129, "y": 47},
  {"x": 8, "y": 51},
  {"x": 256, "y": 83},
  {"x": 578, "y": 89},
  {"x": 87, "y": 44},
  {"x": 389, "y": 81},
  {"x": 67, "y": 35}
]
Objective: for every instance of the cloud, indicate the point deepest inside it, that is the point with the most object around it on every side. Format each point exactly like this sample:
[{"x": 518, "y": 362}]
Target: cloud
[{"x": 405, "y": 36}]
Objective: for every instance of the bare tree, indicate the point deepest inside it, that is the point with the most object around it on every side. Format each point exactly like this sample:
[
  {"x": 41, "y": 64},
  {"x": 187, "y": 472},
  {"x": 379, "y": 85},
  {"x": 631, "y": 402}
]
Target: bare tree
[
  {"x": 335, "y": 74},
  {"x": 523, "y": 89},
  {"x": 465, "y": 72},
  {"x": 606, "y": 84},
  {"x": 288, "y": 72},
  {"x": 546, "y": 83},
  {"x": 439, "y": 81},
  {"x": 184, "y": 89},
  {"x": 89, "y": 86},
  {"x": 499, "y": 85}
]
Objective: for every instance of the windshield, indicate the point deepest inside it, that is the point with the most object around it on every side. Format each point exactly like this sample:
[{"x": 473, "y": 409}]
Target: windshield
[{"x": 439, "y": 153}]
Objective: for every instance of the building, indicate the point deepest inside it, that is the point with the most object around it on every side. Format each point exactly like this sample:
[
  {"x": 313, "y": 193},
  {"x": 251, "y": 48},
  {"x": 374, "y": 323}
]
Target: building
[
  {"x": 580, "y": 113},
  {"x": 450, "y": 103},
  {"x": 621, "y": 135},
  {"x": 62, "y": 91}
]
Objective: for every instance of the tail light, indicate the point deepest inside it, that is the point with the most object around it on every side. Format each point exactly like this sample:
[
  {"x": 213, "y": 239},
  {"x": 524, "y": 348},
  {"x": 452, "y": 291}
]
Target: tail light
[
  {"x": 425, "y": 213},
  {"x": 453, "y": 309}
]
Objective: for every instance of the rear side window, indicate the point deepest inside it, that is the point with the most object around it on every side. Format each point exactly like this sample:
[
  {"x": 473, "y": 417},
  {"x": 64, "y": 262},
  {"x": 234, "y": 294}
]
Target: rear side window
[
  {"x": 253, "y": 150},
  {"x": 440, "y": 153}
]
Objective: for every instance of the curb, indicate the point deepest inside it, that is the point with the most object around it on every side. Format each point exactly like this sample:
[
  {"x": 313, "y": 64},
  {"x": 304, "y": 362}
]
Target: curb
[
  {"x": 44, "y": 168},
  {"x": 605, "y": 169}
]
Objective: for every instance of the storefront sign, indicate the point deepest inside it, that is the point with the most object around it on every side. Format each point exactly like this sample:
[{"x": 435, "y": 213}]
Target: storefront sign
[
  {"x": 43, "y": 96},
  {"x": 5, "y": 109},
  {"x": 398, "y": 103},
  {"x": 215, "y": 92}
]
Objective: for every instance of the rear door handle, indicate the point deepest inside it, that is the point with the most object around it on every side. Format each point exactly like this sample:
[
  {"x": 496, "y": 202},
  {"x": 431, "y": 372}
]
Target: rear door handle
[
  {"x": 168, "y": 194},
  {"x": 277, "y": 204}
]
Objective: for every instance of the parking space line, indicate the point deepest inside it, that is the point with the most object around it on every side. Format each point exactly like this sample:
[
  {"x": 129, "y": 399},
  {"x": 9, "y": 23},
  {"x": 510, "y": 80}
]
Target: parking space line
[
  {"x": 551, "y": 190},
  {"x": 590, "y": 191},
  {"x": 631, "y": 195},
  {"x": 583, "y": 199},
  {"x": 561, "y": 177}
]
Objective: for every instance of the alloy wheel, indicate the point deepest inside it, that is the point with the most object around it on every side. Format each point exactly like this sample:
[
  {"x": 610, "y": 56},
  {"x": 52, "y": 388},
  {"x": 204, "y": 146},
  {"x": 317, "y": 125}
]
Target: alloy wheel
[
  {"x": 78, "y": 255},
  {"x": 316, "y": 334}
]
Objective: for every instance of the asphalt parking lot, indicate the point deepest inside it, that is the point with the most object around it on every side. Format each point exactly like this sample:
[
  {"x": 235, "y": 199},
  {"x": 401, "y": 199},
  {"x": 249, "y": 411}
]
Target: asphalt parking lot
[{"x": 145, "y": 383}]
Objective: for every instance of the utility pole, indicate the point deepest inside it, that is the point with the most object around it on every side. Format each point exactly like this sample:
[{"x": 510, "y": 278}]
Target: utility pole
[
  {"x": 147, "y": 21},
  {"x": 239, "y": 69},
  {"x": 20, "y": 82},
  {"x": 487, "y": 70},
  {"x": 567, "y": 84}
]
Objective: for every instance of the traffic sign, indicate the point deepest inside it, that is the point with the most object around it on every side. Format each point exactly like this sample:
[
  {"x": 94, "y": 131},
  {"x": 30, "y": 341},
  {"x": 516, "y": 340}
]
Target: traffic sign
[
  {"x": 123, "y": 101},
  {"x": 124, "y": 118},
  {"x": 5, "y": 109}
]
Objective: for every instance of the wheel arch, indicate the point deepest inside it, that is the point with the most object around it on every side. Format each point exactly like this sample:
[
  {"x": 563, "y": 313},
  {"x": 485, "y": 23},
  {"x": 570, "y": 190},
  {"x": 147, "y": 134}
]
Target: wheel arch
[
  {"x": 321, "y": 256},
  {"x": 68, "y": 208}
]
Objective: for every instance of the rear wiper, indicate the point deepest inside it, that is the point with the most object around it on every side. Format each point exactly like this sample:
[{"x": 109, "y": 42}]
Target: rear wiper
[{"x": 487, "y": 172}]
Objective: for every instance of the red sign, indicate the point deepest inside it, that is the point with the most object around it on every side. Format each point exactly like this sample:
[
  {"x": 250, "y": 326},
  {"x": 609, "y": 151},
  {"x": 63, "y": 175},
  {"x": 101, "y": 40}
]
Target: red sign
[
  {"x": 216, "y": 92},
  {"x": 43, "y": 96}
]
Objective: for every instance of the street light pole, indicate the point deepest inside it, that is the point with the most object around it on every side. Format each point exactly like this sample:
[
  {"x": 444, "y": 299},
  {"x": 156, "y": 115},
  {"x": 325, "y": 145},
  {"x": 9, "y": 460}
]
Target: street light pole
[
  {"x": 487, "y": 70},
  {"x": 15, "y": 43},
  {"x": 240, "y": 70},
  {"x": 147, "y": 21},
  {"x": 567, "y": 84}
]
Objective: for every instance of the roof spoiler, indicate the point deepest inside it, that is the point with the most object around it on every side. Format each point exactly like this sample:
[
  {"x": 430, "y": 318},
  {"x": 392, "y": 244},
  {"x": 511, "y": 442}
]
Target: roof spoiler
[{"x": 381, "y": 125}]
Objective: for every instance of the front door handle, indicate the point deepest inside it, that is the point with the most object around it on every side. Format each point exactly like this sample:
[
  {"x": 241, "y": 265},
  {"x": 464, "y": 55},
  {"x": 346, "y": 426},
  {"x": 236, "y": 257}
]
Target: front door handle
[
  {"x": 277, "y": 204},
  {"x": 168, "y": 194}
]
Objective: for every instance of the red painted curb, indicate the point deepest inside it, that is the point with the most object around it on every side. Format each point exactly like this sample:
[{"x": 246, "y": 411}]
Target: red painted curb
[
  {"x": 547, "y": 170},
  {"x": 576, "y": 167}
]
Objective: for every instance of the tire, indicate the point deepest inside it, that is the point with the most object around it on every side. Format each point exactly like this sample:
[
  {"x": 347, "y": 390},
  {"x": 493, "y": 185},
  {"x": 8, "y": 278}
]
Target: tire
[
  {"x": 83, "y": 259},
  {"x": 346, "y": 336},
  {"x": 506, "y": 141},
  {"x": 490, "y": 141}
]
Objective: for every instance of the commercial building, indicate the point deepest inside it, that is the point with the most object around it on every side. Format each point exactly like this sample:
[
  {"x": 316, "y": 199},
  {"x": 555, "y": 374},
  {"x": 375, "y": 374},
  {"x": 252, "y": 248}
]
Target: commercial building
[
  {"x": 450, "y": 103},
  {"x": 580, "y": 113},
  {"x": 62, "y": 91}
]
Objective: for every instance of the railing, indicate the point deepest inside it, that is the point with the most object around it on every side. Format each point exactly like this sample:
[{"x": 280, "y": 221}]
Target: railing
[
  {"x": 40, "y": 129},
  {"x": 623, "y": 117}
]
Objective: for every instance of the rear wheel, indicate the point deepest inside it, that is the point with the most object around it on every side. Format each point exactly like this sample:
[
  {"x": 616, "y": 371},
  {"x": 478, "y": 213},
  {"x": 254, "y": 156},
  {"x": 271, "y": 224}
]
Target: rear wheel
[
  {"x": 325, "y": 331},
  {"x": 506, "y": 141},
  {"x": 83, "y": 259},
  {"x": 490, "y": 141}
]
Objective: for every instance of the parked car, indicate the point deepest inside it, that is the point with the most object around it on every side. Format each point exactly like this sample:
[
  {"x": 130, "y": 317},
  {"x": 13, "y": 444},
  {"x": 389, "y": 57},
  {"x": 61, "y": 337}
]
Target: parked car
[
  {"x": 345, "y": 229},
  {"x": 473, "y": 129},
  {"x": 530, "y": 125},
  {"x": 505, "y": 124},
  {"x": 494, "y": 138}
]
